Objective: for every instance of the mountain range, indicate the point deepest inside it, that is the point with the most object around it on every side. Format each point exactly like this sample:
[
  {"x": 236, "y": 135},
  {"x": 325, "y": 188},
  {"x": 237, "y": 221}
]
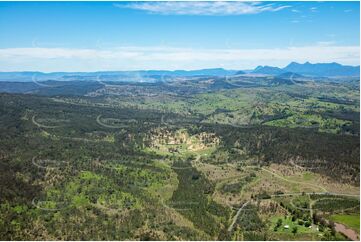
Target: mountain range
[
  {"x": 306, "y": 69},
  {"x": 141, "y": 75},
  {"x": 319, "y": 69}
]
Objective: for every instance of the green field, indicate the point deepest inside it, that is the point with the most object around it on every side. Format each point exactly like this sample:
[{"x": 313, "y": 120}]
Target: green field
[{"x": 350, "y": 220}]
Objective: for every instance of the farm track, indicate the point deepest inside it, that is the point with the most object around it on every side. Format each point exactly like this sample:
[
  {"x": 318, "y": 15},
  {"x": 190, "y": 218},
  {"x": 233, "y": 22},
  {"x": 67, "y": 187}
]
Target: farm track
[
  {"x": 295, "y": 182},
  {"x": 236, "y": 216}
]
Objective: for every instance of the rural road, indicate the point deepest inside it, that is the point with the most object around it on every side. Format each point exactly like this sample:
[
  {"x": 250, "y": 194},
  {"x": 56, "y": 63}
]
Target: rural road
[
  {"x": 315, "y": 193},
  {"x": 236, "y": 216}
]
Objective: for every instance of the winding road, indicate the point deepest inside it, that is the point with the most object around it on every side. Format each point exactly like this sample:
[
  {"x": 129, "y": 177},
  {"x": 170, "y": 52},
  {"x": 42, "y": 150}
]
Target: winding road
[
  {"x": 42, "y": 125},
  {"x": 109, "y": 126}
]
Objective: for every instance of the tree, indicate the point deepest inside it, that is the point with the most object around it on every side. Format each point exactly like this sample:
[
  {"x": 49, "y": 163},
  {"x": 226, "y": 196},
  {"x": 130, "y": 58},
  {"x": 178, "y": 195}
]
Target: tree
[
  {"x": 279, "y": 222},
  {"x": 331, "y": 224},
  {"x": 307, "y": 224}
]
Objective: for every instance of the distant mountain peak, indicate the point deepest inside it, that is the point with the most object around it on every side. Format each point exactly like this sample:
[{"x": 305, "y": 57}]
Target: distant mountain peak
[
  {"x": 267, "y": 70},
  {"x": 317, "y": 69},
  {"x": 258, "y": 68},
  {"x": 323, "y": 69},
  {"x": 293, "y": 63}
]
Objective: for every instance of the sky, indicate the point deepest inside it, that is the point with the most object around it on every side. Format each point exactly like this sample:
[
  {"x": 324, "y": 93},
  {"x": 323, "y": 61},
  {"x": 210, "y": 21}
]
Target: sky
[{"x": 101, "y": 36}]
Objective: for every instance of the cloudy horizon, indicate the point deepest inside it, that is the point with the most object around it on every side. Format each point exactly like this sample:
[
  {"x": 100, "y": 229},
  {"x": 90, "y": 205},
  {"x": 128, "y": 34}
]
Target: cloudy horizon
[{"x": 96, "y": 36}]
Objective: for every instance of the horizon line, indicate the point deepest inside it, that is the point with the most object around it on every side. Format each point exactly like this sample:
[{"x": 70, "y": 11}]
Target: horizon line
[{"x": 172, "y": 70}]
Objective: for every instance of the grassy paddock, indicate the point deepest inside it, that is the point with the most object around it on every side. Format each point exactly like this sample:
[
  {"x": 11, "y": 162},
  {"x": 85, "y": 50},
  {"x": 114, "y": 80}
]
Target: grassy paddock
[{"x": 350, "y": 220}]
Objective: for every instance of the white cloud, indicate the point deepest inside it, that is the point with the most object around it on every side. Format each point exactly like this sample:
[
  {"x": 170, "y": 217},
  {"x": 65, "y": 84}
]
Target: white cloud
[
  {"x": 159, "y": 57},
  {"x": 313, "y": 9},
  {"x": 326, "y": 43},
  {"x": 203, "y": 8}
]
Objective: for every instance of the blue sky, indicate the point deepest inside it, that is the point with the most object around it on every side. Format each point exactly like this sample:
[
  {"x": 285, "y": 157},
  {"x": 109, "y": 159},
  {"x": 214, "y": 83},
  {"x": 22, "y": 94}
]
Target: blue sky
[{"x": 91, "y": 36}]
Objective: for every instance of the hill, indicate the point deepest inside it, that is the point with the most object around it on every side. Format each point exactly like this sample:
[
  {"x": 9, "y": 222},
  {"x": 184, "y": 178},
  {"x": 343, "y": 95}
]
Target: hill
[{"x": 267, "y": 70}]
